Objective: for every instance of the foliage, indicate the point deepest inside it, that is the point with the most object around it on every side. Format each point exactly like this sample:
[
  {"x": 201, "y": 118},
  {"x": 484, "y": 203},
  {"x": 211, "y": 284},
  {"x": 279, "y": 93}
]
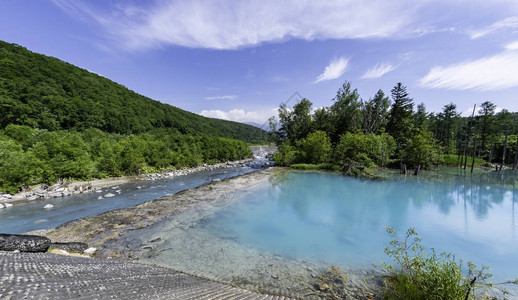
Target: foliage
[
  {"x": 345, "y": 111},
  {"x": 375, "y": 113},
  {"x": 422, "y": 274},
  {"x": 44, "y": 92},
  {"x": 422, "y": 150},
  {"x": 368, "y": 150},
  {"x": 39, "y": 156},
  {"x": 453, "y": 160},
  {"x": 400, "y": 119},
  {"x": 315, "y": 148},
  {"x": 286, "y": 155}
]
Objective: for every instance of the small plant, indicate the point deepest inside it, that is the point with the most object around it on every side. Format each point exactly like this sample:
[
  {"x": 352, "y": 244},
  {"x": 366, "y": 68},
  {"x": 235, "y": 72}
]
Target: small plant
[{"x": 421, "y": 274}]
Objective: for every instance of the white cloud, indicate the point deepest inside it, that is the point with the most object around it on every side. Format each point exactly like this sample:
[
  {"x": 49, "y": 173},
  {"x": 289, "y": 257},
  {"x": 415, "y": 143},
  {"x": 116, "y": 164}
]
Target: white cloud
[
  {"x": 487, "y": 74},
  {"x": 223, "y": 97},
  {"x": 510, "y": 22},
  {"x": 378, "y": 70},
  {"x": 240, "y": 115},
  {"x": 226, "y": 24},
  {"x": 512, "y": 46},
  {"x": 335, "y": 69}
]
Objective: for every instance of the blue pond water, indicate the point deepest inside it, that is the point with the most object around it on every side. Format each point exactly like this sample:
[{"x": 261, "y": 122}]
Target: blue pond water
[
  {"x": 31, "y": 216},
  {"x": 341, "y": 220}
]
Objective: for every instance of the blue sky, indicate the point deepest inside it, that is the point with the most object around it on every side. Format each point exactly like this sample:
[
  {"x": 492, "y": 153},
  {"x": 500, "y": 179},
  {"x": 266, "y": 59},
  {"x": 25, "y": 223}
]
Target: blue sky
[{"x": 239, "y": 60}]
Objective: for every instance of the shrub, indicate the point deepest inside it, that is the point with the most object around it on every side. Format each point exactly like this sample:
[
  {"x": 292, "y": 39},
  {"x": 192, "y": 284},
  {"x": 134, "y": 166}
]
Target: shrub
[{"x": 422, "y": 275}]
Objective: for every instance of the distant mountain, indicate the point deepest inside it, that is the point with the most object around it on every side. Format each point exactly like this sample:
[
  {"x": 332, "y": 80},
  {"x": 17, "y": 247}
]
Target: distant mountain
[
  {"x": 262, "y": 126},
  {"x": 47, "y": 93}
]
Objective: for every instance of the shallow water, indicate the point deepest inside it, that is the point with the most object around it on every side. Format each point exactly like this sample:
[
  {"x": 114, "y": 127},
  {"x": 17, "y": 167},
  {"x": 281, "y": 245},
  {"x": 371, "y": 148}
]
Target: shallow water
[
  {"x": 318, "y": 216},
  {"x": 25, "y": 217}
]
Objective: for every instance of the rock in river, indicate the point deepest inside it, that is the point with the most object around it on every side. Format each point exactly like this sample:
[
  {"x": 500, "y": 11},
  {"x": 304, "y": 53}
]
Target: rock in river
[{"x": 23, "y": 243}]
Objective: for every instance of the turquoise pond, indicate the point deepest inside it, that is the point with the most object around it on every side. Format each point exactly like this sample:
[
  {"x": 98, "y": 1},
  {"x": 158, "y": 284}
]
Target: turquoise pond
[{"x": 341, "y": 220}]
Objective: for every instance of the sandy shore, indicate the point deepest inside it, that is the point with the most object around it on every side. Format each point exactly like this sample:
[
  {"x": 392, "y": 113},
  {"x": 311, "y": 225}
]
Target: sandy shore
[{"x": 164, "y": 232}]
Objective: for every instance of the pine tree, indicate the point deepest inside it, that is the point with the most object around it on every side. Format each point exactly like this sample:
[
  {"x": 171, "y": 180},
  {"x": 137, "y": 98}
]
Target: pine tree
[{"x": 400, "y": 119}]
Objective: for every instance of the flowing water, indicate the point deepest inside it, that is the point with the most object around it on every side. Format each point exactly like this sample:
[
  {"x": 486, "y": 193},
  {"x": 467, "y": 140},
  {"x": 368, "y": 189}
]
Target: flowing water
[{"x": 25, "y": 217}]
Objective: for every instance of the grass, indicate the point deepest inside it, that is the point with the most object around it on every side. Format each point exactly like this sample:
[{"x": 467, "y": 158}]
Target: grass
[
  {"x": 453, "y": 160},
  {"x": 329, "y": 167}
]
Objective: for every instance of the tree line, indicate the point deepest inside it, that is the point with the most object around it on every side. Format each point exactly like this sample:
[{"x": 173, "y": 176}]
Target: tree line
[
  {"x": 392, "y": 131},
  {"x": 44, "y": 92},
  {"x": 32, "y": 156}
]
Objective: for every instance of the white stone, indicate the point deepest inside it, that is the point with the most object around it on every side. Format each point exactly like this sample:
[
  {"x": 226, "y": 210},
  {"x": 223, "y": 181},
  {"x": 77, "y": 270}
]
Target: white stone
[
  {"x": 109, "y": 195},
  {"x": 48, "y": 206},
  {"x": 90, "y": 250},
  {"x": 60, "y": 190},
  {"x": 2, "y": 206},
  {"x": 100, "y": 197},
  {"x": 7, "y": 205}
]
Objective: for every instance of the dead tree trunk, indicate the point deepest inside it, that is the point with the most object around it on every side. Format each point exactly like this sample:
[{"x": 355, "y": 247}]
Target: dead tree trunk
[
  {"x": 474, "y": 150},
  {"x": 416, "y": 171},
  {"x": 468, "y": 136},
  {"x": 505, "y": 147},
  {"x": 402, "y": 169}
]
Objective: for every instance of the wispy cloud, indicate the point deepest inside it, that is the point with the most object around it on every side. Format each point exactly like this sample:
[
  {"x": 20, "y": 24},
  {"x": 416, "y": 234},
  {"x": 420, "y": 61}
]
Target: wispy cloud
[
  {"x": 226, "y": 24},
  {"x": 378, "y": 70},
  {"x": 335, "y": 69},
  {"x": 489, "y": 73},
  {"x": 510, "y": 22},
  {"x": 223, "y": 97},
  {"x": 240, "y": 115}
]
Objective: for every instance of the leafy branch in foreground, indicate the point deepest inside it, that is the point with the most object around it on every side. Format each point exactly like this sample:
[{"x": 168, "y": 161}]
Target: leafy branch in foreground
[{"x": 421, "y": 274}]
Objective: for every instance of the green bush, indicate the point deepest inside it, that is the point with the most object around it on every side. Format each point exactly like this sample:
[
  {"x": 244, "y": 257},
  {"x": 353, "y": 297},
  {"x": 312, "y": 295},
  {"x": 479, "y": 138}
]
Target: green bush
[
  {"x": 422, "y": 149},
  {"x": 315, "y": 148},
  {"x": 366, "y": 149},
  {"x": 419, "y": 274}
]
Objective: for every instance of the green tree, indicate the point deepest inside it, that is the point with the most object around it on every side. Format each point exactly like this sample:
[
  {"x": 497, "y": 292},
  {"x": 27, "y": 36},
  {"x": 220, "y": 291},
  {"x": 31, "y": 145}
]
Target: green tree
[
  {"x": 315, "y": 148},
  {"x": 17, "y": 168},
  {"x": 486, "y": 123},
  {"x": 422, "y": 149},
  {"x": 346, "y": 111},
  {"x": 400, "y": 119},
  {"x": 375, "y": 113}
]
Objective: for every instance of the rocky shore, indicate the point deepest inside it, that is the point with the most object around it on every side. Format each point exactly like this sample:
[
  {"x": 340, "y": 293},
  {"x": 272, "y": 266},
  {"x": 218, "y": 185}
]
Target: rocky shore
[{"x": 65, "y": 188}]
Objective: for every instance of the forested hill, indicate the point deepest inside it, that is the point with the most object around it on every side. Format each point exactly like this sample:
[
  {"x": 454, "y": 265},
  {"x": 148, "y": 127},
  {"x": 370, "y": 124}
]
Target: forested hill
[{"x": 47, "y": 93}]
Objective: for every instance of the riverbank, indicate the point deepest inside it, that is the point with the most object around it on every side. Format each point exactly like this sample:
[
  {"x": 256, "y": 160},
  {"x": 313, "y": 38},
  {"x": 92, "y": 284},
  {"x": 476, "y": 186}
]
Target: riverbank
[
  {"x": 66, "y": 188},
  {"x": 159, "y": 232}
]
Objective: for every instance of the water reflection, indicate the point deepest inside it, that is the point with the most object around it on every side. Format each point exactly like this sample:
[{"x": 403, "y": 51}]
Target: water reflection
[{"x": 317, "y": 215}]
